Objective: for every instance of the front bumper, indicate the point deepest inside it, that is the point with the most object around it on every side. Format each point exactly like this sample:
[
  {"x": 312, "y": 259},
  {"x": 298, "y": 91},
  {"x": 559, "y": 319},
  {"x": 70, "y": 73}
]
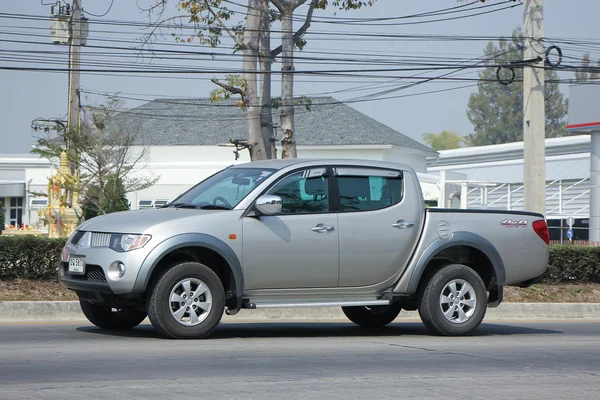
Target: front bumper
[
  {"x": 90, "y": 282},
  {"x": 92, "y": 288},
  {"x": 97, "y": 263}
]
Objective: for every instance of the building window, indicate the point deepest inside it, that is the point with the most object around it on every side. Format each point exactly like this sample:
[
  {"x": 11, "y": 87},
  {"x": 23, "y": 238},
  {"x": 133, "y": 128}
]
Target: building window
[
  {"x": 144, "y": 204},
  {"x": 154, "y": 203},
  {"x": 39, "y": 204},
  {"x": 160, "y": 203},
  {"x": 15, "y": 211}
]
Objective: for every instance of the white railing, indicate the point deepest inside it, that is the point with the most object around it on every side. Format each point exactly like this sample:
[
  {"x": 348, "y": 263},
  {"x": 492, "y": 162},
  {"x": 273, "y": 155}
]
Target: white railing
[{"x": 567, "y": 192}]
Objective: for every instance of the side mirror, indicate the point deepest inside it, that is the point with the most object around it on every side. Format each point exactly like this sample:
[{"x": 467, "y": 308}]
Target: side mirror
[{"x": 268, "y": 205}]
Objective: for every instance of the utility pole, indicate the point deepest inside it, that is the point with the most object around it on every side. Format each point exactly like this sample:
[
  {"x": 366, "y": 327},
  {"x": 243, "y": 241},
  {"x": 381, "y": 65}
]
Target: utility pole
[
  {"x": 73, "y": 120},
  {"x": 534, "y": 114}
]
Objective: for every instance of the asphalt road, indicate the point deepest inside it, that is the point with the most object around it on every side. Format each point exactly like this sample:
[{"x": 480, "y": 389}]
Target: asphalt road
[{"x": 328, "y": 360}]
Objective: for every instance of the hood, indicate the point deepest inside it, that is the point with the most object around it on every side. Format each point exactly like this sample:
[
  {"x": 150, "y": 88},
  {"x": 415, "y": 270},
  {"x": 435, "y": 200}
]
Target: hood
[{"x": 138, "y": 221}]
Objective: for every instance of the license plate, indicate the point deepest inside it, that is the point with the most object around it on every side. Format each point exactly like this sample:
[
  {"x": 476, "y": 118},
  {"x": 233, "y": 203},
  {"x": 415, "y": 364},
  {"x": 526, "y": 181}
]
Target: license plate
[{"x": 76, "y": 265}]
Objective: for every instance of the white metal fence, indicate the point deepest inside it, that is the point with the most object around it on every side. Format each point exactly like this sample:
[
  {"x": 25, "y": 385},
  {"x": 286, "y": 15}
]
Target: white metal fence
[{"x": 563, "y": 197}]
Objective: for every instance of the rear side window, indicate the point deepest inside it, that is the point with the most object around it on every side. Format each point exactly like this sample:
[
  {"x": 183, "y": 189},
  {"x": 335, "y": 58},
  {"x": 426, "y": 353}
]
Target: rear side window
[{"x": 368, "y": 190}]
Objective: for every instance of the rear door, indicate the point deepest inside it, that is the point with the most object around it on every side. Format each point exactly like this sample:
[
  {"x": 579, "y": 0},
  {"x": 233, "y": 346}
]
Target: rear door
[{"x": 379, "y": 222}]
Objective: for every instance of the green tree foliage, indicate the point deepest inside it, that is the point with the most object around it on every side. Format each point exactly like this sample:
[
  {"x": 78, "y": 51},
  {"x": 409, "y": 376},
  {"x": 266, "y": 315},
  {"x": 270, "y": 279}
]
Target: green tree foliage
[
  {"x": 496, "y": 110},
  {"x": 111, "y": 199},
  {"x": 445, "y": 140}
]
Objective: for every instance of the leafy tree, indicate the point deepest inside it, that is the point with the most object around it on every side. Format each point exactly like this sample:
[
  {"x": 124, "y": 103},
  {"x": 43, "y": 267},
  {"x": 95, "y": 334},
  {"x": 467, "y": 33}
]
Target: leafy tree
[
  {"x": 105, "y": 156},
  {"x": 585, "y": 72},
  {"x": 496, "y": 110},
  {"x": 112, "y": 199},
  {"x": 445, "y": 140}
]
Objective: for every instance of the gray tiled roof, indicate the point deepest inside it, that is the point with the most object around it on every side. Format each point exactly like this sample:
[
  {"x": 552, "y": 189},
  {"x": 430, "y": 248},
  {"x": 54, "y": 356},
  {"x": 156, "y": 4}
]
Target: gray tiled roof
[{"x": 181, "y": 121}]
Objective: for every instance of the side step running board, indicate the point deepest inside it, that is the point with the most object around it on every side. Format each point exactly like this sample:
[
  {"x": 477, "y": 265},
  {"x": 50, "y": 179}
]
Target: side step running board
[{"x": 349, "y": 303}]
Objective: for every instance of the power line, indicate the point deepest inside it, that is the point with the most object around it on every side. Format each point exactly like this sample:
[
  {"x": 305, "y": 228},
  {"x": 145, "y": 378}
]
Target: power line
[
  {"x": 139, "y": 24},
  {"x": 102, "y": 15}
]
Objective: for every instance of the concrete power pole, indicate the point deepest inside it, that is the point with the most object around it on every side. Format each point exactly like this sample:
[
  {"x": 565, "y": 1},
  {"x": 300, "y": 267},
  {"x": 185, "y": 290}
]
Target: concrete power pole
[
  {"x": 74, "y": 66},
  {"x": 534, "y": 114}
]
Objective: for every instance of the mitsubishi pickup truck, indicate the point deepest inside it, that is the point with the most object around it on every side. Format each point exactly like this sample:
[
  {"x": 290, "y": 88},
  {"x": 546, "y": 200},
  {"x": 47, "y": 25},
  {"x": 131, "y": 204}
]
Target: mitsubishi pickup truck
[{"x": 294, "y": 233}]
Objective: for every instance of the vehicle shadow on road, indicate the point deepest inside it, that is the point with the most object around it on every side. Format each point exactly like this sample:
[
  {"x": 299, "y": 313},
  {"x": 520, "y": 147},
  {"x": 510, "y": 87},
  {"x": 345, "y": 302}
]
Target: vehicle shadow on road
[{"x": 320, "y": 330}]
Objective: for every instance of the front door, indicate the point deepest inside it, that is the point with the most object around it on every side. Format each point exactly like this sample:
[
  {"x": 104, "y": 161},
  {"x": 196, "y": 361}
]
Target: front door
[
  {"x": 379, "y": 224},
  {"x": 299, "y": 247}
]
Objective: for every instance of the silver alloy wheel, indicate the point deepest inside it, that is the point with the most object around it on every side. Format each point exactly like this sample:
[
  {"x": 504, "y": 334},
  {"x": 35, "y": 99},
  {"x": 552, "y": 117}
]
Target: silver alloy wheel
[
  {"x": 458, "y": 301},
  {"x": 190, "y": 301}
]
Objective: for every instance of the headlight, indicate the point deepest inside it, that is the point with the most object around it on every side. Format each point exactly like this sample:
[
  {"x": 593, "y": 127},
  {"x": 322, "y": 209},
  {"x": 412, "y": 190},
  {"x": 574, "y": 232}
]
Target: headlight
[{"x": 124, "y": 242}]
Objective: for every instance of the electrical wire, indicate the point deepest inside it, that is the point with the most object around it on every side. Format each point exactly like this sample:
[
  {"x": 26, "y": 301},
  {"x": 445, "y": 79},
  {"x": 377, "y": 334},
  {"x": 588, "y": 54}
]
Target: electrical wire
[
  {"x": 102, "y": 15},
  {"x": 427, "y": 64}
]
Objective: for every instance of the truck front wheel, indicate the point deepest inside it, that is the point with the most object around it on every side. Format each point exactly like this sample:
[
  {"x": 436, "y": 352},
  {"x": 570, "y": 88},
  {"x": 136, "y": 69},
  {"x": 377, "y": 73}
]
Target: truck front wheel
[
  {"x": 454, "y": 301},
  {"x": 187, "y": 302},
  {"x": 372, "y": 316},
  {"x": 106, "y": 317}
]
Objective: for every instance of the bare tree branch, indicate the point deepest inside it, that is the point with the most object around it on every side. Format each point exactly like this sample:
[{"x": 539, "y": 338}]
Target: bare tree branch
[{"x": 229, "y": 88}]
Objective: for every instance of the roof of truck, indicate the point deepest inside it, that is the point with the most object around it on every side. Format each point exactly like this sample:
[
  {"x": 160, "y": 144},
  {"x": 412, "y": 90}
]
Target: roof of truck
[{"x": 307, "y": 162}]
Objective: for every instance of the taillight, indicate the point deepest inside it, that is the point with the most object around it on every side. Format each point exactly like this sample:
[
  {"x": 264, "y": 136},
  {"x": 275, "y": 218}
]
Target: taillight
[{"x": 541, "y": 228}]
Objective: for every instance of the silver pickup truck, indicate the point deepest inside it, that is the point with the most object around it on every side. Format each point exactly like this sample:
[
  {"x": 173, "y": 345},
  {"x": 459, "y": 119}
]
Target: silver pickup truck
[{"x": 301, "y": 233}]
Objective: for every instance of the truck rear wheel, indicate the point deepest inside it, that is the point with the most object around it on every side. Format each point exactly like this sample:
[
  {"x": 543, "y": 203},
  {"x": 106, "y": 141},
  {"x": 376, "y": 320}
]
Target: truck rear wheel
[
  {"x": 454, "y": 301},
  {"x": 187, "y": 302},
  {"x": 372, "y": 316},
  {"x": 106, "y": 317}
]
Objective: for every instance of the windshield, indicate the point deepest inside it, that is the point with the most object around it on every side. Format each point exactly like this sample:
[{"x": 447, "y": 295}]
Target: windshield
[{"x": 223, "y": 190}]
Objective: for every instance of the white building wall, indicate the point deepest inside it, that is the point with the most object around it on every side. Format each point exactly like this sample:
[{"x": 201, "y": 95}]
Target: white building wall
[
  {"x": 415, "y": 159},
  {"x": 34, "y": 173},
  {"x": 572, "y": 166}
]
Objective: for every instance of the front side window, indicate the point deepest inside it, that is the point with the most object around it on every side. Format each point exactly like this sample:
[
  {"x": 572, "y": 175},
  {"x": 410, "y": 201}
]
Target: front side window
[
  {"x": 368, "y": 191},
  {"x": 225, "y": 189},
  {"x": 303, "y": 192}
]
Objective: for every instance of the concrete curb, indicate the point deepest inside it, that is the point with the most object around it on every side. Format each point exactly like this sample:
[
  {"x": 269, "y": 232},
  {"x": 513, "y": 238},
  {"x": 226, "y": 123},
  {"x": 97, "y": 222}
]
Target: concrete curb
[{"x": 44, "y": 311}]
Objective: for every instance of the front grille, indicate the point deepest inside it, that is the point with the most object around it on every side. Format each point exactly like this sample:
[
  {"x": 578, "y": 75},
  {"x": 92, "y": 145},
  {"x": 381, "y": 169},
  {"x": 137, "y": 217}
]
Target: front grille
[
  {"x": 93, "y": 273},
  {"x": 100, "y": 239},
  {"x": 77, "y": 237}
]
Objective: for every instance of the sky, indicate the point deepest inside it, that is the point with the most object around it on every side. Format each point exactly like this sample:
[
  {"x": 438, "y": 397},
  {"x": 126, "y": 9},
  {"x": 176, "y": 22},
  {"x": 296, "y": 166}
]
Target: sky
[{"x": 27, "y": 95}]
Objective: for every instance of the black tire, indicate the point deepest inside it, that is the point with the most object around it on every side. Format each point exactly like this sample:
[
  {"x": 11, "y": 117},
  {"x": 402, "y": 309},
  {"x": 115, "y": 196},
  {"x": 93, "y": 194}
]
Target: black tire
[
  {"x": 432, "y": 310},
  {"x": 161, "y": 310},
  {"x": 372, "y": 316},
  {"x": 104, "y": 317}
]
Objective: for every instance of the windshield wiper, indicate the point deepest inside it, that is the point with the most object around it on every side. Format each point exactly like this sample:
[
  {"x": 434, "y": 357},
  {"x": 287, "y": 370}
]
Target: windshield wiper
[
  {"x": 214, "y": 207},
  {"x": 200, "y": 207},
  {"x": 179, "y": 205}
]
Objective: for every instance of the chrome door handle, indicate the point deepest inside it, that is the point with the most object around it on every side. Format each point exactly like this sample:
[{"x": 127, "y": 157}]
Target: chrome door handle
[
  {"x": 403, "y": 224},
  {"x": 320, "y": 228}
]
